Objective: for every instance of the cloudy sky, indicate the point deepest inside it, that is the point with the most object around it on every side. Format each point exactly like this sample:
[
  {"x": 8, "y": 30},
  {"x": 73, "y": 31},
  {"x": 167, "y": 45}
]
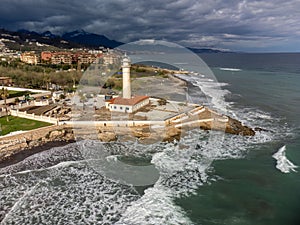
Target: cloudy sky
[{"x": 266, "y": 25}]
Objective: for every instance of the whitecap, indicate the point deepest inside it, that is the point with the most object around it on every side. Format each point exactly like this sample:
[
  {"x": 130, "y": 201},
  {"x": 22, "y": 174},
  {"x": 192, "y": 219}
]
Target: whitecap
[
  {"x": 230, "y": 69},
  {"x": 283, "y": 164},
  {"x": 211, "y": 89},
  {"x": 156, "y": 206}
]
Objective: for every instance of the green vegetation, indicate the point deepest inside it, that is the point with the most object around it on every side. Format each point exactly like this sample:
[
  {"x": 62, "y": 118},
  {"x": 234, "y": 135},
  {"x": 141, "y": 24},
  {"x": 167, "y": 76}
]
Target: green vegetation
[
  {"x": 15, "y": 94},
  {"x": 115, "y": 81},
  {"x": 40, "y": 77},
  {"x": 17, "y": 123},
  {"x": 43, "y": 75}
]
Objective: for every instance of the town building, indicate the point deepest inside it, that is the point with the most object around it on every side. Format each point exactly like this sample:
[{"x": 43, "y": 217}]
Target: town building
[
  {"x": 69, "y": 57},
  {"x": 5, "y": 81},
  {"x": 61, "y": 58},
  {"x": 110, "y": 58},
  {"x": 127, "y": 103},
  {"x": 46, "y": 56},
  {"x": 85, "y": 57},
  {"x": 30, "y": 58}
]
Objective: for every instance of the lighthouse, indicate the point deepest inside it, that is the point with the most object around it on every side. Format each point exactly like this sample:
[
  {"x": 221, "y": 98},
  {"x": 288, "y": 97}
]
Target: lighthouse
[
  {"x": 126, "y": 103},
  {"x": 126, "y": 64}
]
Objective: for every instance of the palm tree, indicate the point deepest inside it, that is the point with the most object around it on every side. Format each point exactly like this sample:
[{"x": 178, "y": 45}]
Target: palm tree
[{"x": 4, "y": 94}]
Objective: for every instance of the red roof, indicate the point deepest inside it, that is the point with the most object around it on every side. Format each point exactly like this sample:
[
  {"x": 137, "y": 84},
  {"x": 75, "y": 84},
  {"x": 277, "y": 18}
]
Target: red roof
[{"x": 127, "y": 101}]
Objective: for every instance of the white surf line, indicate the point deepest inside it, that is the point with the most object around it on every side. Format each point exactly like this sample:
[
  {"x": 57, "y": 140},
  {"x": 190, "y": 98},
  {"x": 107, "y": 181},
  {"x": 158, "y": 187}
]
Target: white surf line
[
  {"x": 230, "y": 69},
  {"x": 61, "y": 164},
  {"x": 282, "y": 163},
  {"x": 18, "y": 203}
]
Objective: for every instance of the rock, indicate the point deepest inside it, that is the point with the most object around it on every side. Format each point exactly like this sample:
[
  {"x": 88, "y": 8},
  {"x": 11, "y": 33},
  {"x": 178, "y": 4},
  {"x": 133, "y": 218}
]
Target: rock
[
  {"x": 107, "y": 136},
  {"x": 172, "y": 133},
  {"x": 56, "y": 134},
  {"x": 235, "y": 127}
]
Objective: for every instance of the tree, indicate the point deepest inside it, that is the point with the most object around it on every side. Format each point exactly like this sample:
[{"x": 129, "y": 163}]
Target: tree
[
  {"x": 4, "y": 94},
  {"x": 17, "y": 100},
  {"x": 62, "y": 96}
]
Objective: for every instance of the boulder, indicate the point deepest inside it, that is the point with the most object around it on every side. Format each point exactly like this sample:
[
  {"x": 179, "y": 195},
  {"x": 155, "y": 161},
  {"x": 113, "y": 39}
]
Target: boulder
[
  {"x": 107, "y": 136},
  {"x": 235, "y": 127}
]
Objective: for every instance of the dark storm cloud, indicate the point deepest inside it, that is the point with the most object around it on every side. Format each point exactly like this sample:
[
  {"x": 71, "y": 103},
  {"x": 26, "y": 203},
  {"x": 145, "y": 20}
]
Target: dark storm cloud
[{"x": 227, "y": 24}]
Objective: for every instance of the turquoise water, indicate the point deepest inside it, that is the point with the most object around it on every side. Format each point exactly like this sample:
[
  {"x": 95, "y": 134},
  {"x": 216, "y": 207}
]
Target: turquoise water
[
  {"x": 228, "y": 180},
  {"x": 251, "y": 190}
]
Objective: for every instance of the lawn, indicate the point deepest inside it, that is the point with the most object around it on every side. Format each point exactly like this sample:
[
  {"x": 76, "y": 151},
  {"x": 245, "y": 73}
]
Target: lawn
[
  {"x": 15, "y": 94},
  {"x": 17, "y": 123}
]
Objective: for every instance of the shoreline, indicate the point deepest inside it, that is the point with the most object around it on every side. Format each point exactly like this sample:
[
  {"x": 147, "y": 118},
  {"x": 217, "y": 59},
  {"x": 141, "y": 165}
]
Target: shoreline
[
  {"x": 27, "y": 152},
  {"x": 29, "y": 146},
  {"x": 18, "y": 147}
]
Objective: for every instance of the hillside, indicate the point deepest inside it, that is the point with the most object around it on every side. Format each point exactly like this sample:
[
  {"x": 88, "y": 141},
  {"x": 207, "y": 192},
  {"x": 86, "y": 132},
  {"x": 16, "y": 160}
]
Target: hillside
[{"x": 25, "y": 40}]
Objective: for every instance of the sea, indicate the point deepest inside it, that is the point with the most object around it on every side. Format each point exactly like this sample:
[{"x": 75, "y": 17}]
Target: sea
[{"x": 207, "y": 177}]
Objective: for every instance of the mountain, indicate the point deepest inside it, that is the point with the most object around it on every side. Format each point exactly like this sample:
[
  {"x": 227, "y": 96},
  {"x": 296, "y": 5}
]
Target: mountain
[
  {"x": 209, "y": 50},
  {"x": 27, "y": 32},
  {"x": 49, "y": 34},
  {"x": 30, "y": 40},
  {"x": 25, "y": 40},
  {"x": 90, "y": 39},
  {"x": 46, "y": 41}
]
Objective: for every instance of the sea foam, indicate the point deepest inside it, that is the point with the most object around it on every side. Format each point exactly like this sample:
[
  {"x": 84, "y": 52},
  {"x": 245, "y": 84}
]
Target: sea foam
[
  {"x": 230, "y": 69},
  {"x": 82, "y": 193},
  {"x": 283, "y": 164}
]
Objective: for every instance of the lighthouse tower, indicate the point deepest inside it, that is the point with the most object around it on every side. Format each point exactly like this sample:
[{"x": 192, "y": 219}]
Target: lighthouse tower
[
  {"x": 127, "y": 103},
  {"x": 126, "y": 64}
]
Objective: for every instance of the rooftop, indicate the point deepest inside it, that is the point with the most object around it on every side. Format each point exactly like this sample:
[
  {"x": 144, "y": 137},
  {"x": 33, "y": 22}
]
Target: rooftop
[{"x": 127, "y": 101}]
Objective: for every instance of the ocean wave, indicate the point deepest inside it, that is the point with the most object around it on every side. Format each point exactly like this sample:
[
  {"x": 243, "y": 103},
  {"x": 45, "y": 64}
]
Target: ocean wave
[
  {"x": 72, "y": 188},
  {"x": 69, "y": 194},
  {"x": 156, "y": 206},
  {"x": 214, "y": 94},
  {"x": 230, "y": 69},
  {"x": 84, "y": 193},
  {"x": 282, "y": 162}
]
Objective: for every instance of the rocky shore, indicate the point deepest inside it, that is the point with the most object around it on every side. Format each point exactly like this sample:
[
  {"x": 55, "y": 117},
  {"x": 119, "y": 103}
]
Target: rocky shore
[
  {"x": 19, "y": 146},
  {"x": 25, "y": 144},
  {"x": 30, "y": 142}
]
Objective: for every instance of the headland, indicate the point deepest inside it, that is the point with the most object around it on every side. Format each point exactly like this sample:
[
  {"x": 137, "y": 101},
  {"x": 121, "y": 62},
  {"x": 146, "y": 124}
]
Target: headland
[{"x": 160, "y": 119}]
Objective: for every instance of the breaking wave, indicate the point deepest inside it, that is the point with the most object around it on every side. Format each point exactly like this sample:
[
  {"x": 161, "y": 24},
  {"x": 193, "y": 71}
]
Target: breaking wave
[
  {"x": 230, "y": 69},
  {"x": 212, "y": 93},
  {"x": 71, "y": 184},
  {"x": 282, "y": 162}
]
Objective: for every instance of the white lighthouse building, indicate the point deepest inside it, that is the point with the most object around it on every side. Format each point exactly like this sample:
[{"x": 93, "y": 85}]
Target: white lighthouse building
[
  {"x": 127, "y": 103},
  {"x": 126, "y": 77}
]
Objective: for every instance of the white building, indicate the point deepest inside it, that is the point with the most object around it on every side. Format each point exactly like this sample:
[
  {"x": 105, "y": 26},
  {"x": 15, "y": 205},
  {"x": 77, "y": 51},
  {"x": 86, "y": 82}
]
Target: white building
[
  {"x": 130, "y": 105},
  {"x": 127, "y": 103}
]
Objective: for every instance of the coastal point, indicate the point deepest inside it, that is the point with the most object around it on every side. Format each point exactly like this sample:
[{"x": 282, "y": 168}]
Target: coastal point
[
  {"x": 111, "y": 117},
  {"x": 116, "y": 112}
]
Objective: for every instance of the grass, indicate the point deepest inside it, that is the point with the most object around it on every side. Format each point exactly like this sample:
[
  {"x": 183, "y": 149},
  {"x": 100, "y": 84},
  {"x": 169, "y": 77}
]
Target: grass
[
  {"x": 15, "y": 94},
  {"x": 17, "y": 123}
]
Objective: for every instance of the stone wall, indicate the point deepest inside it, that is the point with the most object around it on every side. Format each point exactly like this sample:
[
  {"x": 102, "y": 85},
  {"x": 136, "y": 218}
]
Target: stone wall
[{"x": 10, "y": 145}]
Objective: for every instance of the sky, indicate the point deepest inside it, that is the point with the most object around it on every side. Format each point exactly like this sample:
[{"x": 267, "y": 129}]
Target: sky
[{"x": 253, "y": 26}]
